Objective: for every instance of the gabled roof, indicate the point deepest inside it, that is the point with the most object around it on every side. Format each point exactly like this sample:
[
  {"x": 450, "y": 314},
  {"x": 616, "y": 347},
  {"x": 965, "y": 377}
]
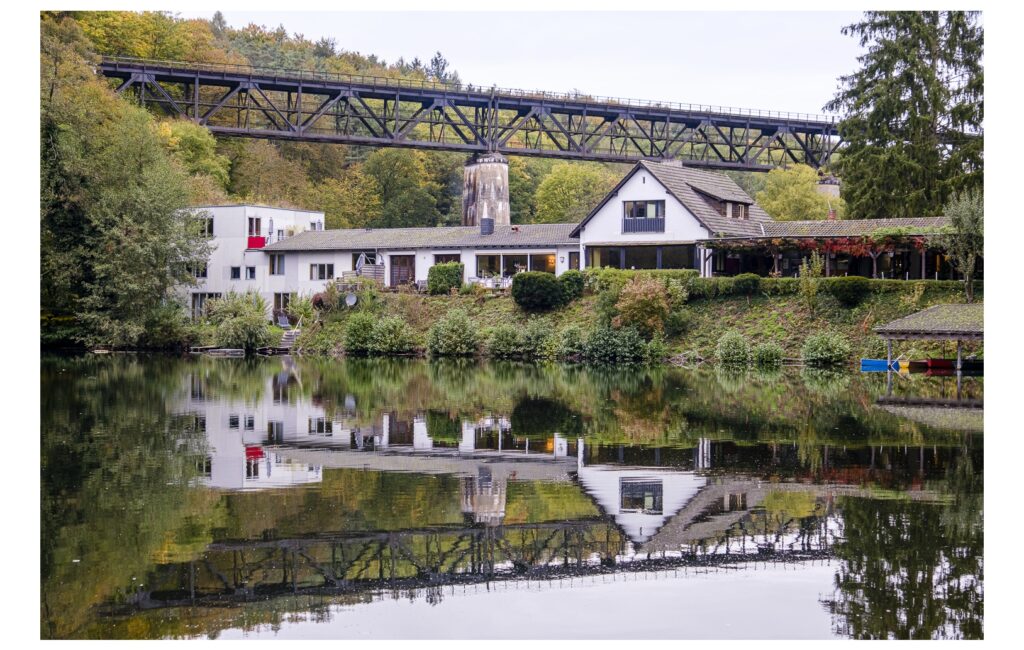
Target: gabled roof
[
  {"x": 686, "y": 184},
  {"x": 538, "y": 235}
]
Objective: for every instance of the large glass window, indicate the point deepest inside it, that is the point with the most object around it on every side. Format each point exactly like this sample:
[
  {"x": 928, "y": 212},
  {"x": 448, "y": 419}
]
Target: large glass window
[
  {"x": 488, "y": 266},
  {"x": 641, "y": 257},
  {"x": 542, "y": 262},
  {"x": 445, "y": 258},
  {"x": 574, "y": 261},
  {"x": 514, "y": 264},
  {"x": 605, "y": 257},
  {"x": 639, "y": 495},
  {"x": 678, "y": 257},
  {"x": 281, "y": 301}
]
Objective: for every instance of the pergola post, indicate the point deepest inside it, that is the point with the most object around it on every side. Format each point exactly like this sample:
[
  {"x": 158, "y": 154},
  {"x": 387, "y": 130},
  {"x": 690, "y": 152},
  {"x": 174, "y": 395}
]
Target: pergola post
[
  {"x": 888, "y": 353},
  {"x": 959, "y": 355},
  {"x": 924, "y": 264}
]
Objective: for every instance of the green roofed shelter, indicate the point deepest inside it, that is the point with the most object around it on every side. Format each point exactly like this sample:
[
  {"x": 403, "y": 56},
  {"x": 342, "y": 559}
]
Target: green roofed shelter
[{"x": 954, "y": 322}]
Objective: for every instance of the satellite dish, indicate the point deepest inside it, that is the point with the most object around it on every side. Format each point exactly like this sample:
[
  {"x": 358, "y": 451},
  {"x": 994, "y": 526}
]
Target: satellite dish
[{"x": 350, "y": 299}]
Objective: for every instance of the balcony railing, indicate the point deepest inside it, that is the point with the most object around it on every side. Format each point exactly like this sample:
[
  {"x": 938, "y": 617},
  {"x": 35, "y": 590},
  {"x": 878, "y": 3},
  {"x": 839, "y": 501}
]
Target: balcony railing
[
  {"x": 656, "y": 224},
  {"x": 257, "y": 242}
]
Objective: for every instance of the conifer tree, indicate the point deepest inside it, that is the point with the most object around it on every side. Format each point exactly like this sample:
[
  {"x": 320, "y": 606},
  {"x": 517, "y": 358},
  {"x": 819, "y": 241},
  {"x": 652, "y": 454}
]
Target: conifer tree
[{"x": 912, "y": 115}]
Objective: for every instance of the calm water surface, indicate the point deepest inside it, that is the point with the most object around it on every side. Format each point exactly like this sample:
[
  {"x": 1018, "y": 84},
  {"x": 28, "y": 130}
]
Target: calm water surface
[{"x": 280, "y": 498}]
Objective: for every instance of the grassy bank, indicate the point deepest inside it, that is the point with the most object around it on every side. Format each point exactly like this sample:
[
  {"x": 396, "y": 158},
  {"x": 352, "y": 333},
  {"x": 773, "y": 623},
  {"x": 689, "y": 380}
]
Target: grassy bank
[{"x": 783, "y": 318}]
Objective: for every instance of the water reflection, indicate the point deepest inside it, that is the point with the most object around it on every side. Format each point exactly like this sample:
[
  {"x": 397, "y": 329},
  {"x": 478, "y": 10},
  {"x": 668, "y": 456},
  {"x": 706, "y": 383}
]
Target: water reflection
[{"x": 184, "y": 497}]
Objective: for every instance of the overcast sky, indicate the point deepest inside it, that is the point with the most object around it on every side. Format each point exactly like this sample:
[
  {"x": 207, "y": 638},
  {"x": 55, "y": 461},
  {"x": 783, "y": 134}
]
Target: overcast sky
[{"x": 784, "y": 61}]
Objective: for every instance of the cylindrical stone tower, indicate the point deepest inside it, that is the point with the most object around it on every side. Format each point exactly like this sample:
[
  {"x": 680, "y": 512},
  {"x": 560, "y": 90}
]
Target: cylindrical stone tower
[{"x": 485, "y": 190}]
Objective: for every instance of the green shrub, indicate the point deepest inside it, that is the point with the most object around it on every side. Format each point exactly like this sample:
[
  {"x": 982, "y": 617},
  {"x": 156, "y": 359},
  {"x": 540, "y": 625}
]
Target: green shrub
[
  {"x": 849, "y": 290},
  {"x": 733, "y": 349},
  {"x": 746, "y": 284},
  {"x": 710, "y": 287},
  {"x": 442, "y": 278},
  {"x": 572, "y": 285},
  {"x": 570, "y": 343},
  {"x": 442, "y": 426},
  {"x": 536, "y": 290},
  {"x": 359, "y": 333},
  {"x": 453, "y": 335},
  {"x": 811, "y": 270},
  {"x": 825, "y": 349},
  {"x": 535, "y": 339},
  {"x": 679, "y": 322},
  {"x": 780, "y": 286},
  {"x": 391, "y": 335},
  {"x": 504, "y": 342},
  {"x": 642, "y": 304},
  {"x": 240, "y": 321},
  {"x": 767, "y": 355},
  {"x": 607, "y": 345},
  {"x": 327, "y": 339},
  {"x": 602, "y": 279},
  {"x": 300, "y": 310},
  {"x": 655, "y": 351}
]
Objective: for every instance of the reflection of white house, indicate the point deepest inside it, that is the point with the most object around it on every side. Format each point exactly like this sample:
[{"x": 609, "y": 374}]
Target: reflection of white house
[{"x": 639, "y": 499}]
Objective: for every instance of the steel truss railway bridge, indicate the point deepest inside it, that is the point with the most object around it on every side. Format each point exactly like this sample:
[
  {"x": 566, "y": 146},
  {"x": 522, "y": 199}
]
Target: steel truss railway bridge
[{"x": 311, "y": 106}]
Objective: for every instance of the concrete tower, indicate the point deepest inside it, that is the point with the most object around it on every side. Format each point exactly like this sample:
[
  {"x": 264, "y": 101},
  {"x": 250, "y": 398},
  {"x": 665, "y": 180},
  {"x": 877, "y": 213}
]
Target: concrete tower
[{"x": 485, "y": 191}]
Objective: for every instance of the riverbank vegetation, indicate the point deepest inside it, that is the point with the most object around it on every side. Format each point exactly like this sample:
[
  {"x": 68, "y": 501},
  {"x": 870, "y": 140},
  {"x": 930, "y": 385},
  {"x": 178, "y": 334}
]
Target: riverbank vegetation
[{"x": 643, "y": 316}]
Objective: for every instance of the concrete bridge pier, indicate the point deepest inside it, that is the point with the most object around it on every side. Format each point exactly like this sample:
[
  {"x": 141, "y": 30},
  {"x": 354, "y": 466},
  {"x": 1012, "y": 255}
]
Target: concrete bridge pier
[{"x": 485, "y": 191}]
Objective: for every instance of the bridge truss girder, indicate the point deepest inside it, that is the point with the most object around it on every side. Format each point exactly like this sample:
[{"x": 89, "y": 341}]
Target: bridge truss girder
[{"x": 255, "y": 106}]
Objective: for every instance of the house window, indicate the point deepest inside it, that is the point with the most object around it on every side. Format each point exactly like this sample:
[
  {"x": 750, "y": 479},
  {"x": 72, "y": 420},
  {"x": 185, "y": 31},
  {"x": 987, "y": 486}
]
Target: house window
[
  {"x": 250, "y": 423},
  {"x": 641, "y": 496},
  {"x": 321, "y": 426},
  {"x": 250, "y": 273},
  {"x": 574, "y": 260},
  {"x": 321, "y": 271},
  {"x": 543, "y": 262},
  {"x": 280, "y": 235},
  {"x": 315, "y": 225},
  {"x": 200, "y": 303},
  {"x": 206, "y": 226},
  {"x": 643, "y": 216},
  {"x": 739, "y": 211},
  {"x": 371, "y": 258},
  {"x": 281, "y": 301},
  {"x": 277, "y": 264},
  {"x": 275, "y": 432},
  {"x": 232, "y": 421},
  {"x": 200, "y": 271},
  {"x": 254, "y": 226},
  {"x": 445, "y": 258},
  {"x": 488, "y": 266},
  {"x": 236, "y": 272}
]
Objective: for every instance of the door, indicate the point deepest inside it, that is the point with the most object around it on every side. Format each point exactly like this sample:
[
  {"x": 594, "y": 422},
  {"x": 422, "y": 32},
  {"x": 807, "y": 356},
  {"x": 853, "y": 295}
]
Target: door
[{"x": 403, "y": 269}]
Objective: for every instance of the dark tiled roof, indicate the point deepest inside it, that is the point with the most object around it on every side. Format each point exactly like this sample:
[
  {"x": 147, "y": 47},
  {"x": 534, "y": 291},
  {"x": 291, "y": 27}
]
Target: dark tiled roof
[
  {"x": 526, "y": 235},
  {"x": 963, "y": 319},
  {"x": 849, "y": 227},
  {"x": 682, "y": 183}
]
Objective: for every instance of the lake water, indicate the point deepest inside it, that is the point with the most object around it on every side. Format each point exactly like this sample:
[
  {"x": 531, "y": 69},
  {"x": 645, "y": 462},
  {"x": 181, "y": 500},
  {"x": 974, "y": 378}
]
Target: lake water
[{"x": 281, "y": 498}]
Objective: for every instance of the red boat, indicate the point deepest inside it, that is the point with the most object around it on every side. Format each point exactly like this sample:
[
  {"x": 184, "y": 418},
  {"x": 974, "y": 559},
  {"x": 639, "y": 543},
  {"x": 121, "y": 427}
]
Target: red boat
[{"x": 942, "y": 364}]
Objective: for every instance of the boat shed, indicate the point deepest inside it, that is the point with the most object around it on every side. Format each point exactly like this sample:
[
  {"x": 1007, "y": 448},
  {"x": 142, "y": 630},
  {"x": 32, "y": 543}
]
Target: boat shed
[{"x": 955, "y": 322}]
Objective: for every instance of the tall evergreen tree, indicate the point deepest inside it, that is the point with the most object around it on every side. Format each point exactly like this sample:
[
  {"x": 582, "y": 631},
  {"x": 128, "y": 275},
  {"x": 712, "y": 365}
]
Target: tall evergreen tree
[{"x": 912, "y": 115}]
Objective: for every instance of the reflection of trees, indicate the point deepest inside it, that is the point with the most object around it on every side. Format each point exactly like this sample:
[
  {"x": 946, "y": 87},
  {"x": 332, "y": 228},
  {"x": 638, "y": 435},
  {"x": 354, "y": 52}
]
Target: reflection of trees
[
  {"x": 907, "y": 572},
  {"x": 115, "y": 474}
]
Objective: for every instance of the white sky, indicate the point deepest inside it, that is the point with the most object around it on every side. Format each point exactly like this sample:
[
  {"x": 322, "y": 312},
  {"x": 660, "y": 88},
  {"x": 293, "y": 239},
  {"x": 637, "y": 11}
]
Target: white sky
[{"x": 782, "y": 61}]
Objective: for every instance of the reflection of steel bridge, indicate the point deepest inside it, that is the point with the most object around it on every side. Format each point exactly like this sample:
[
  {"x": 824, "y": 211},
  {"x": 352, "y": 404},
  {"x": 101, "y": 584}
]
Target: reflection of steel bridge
[
  {"x": 322, "y": 107},
  {"x": 429, "y": 558}
]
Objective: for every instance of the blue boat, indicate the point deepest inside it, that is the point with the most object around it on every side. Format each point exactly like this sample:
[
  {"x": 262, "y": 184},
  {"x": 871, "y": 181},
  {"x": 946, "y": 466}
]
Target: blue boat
[{"x": 877, "y": 365}]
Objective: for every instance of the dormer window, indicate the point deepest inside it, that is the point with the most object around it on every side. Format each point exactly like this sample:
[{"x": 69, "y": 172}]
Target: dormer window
[{"x": 643, "y": 216}]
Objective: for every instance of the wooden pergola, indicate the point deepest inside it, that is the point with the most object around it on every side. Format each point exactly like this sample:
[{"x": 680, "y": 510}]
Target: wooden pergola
[{"x": 955, "y": 322}]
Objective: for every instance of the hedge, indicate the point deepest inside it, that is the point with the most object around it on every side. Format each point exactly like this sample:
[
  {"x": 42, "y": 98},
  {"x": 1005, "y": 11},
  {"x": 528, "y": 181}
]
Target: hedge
[
  {"x": 849, "y": 290},
  {"x": 572, "y": 283},
  {"x": 442, "y": 278},
  {"x": 536, "y": 290},
  {"x": 601, "y": 279}
]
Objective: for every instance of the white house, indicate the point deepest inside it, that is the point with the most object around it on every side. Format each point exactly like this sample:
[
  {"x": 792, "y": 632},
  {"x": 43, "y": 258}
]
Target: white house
[
  {"x": 237, "y": 263},
  {"x": 661, "y": 215}
]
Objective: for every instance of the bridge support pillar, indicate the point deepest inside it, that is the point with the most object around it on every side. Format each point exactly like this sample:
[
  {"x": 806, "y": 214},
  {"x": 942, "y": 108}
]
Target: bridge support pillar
[{"x": 485, "y": 190}]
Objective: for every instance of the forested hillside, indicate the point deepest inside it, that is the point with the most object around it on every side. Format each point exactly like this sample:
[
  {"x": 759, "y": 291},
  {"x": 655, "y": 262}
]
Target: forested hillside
[{"x": 355, "y": 186}]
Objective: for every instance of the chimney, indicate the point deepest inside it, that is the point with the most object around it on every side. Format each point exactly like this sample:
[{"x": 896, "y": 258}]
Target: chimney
[
  {"x": 487, "y": 226},
  {"x": 831, "y": 214}
]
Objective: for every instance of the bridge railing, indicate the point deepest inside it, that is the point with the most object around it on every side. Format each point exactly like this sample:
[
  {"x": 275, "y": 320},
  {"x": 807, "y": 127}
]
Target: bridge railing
[{"x": 393, "y": 82}]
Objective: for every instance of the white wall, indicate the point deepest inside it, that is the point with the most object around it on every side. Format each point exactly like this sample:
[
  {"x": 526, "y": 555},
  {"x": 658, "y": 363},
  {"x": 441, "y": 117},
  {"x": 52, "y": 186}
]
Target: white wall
[
  {"x": 606, "y": 226},
  {"x": 231, "y": 248}
]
